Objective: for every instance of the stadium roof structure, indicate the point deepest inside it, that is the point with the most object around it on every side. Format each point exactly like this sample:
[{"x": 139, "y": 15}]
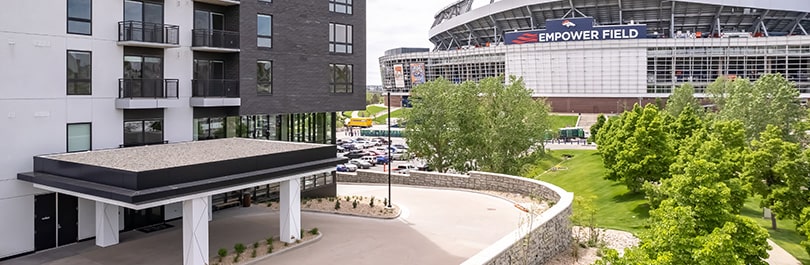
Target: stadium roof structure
[{"x": 457, "y": 26}]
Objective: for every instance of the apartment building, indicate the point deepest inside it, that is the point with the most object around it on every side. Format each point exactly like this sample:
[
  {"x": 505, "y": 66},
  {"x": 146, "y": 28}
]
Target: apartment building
[{"x": 83, "y": 75}]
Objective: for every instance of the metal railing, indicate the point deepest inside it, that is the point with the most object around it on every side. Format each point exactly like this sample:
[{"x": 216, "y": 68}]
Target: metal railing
[
  {"x": 147, "y": 88},
  {"x": 148, "y": 32},
  {"x": 211, "y": 88},
  {"x": 214, "y": 38}
]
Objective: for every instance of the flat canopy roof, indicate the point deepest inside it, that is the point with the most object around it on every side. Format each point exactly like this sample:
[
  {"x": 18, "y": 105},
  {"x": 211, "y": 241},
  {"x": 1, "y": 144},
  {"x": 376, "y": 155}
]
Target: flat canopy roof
[
  {"x": 137, "y": 175},
  {"x": 145, "y": 158}
]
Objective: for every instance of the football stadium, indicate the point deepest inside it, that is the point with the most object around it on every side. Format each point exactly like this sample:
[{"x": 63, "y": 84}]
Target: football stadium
[{"x": 602, "y": 56}]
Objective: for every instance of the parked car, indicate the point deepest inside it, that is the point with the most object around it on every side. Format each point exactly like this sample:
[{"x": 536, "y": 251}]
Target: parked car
[
  {"x": 424, "y": 167},
  {"x": 375, "y": 152},
  {"x": 360, "y": 163},
  {"x": 355, "y": 154},
  {"x": 348, "y": 146},
  {"x": 405, "y": 168},
  {"x": 400, "y": 146},
  {"x": 342, "y": 168},
  {"x": 382, "y": 159},
  {"x": 382, "y": 140},
  {"x": 369, "y": 144},
  {"x": 350, "y": 167},
  {"x": 340, "y": 149},
  {"x": 371, "y": 159}
]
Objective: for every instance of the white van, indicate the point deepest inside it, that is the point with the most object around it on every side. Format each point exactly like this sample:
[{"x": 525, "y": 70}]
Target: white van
[{"x": 370, "y": 159}]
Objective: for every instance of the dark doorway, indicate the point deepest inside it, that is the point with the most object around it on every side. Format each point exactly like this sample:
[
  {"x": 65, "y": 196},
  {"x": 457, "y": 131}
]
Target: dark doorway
[
  {"x": 44, "y": 221},
  {"x": 68, "y": 228},
  {"x": 134, "y": 219}
]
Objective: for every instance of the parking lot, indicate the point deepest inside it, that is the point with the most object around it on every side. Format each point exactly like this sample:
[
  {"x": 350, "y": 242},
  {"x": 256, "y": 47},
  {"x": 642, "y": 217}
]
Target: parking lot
[{"x": 378, "y": 167}]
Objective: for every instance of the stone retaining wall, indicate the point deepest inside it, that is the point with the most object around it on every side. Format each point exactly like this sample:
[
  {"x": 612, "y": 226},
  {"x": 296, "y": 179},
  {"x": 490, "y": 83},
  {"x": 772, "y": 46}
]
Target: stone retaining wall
[{"x": 548, "y": 233}]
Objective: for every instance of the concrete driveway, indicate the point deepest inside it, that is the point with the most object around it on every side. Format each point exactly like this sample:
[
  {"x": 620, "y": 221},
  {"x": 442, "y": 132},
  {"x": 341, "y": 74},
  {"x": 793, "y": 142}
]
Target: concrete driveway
[{"x": 437, "y": 227}]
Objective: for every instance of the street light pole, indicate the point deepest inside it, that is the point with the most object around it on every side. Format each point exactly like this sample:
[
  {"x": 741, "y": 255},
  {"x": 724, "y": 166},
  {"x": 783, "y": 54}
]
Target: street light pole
[{"x": 390, "y": 157}]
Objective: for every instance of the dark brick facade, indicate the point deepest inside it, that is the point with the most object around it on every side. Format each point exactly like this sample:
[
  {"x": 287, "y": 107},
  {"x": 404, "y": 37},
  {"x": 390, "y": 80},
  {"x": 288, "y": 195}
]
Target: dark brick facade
[{"x": 300, "y": 56}]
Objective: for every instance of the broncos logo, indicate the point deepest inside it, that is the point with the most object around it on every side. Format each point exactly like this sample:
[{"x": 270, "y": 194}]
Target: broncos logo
[
  {"x": 568, "y": 24},
  {"x": 525, "y": 38}
]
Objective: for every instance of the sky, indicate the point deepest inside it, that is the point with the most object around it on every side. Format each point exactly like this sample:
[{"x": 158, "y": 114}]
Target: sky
[{"x": 398, "y": 23}]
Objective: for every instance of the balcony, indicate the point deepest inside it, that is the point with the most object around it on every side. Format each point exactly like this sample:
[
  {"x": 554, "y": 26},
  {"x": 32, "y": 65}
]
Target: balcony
[
  {"x": 150, "y": 35},
  {"x": 219, "y": 2},
  {"x": 214, "y": 40},
  {"x": 147, "y": 93},
  {"x": 215, "y": 93}
]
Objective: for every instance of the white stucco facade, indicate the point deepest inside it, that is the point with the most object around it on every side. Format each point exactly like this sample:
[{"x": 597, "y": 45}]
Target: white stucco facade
[{"x": 35, "y": 109}]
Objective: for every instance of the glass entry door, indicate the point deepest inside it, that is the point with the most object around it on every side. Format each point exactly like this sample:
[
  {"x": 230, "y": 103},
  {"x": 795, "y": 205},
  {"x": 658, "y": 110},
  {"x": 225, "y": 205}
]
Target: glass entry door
[{"x": 143, "y": 76}]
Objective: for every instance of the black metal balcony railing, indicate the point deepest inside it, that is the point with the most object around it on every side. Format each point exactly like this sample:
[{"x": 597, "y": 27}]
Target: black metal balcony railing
[
  {"x": 148, "y": 32},
  {"x": 211, "y": 88},
  {"x": 147, "y": 88},
  {"x": 215, "y": 38}
]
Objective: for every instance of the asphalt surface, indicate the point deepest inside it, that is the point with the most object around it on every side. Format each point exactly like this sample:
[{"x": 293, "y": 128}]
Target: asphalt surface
[{"x": 436, "y": 227}]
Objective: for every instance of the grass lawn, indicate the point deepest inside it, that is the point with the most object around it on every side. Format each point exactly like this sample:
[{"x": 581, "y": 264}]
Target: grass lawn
[
  {"x": 382, "y": 119},
  {"x": 559, "y": 121},
  {"x": 583, "y": 175},
  {"x": 621, "y": 210},
  {"x": 785, "y": 236},
  {"x": 372, "y": 110}
]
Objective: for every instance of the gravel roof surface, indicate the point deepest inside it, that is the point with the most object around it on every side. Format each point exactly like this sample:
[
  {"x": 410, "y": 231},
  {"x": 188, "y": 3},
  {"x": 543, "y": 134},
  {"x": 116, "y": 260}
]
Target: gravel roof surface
[{"x": 144, "y": 158}]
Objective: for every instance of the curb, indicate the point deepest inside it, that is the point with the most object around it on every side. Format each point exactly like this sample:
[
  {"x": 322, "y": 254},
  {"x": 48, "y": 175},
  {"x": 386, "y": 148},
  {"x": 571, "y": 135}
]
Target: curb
[
  {"x": 254, "y": 261},
  {"x": 356, "y": 215}
]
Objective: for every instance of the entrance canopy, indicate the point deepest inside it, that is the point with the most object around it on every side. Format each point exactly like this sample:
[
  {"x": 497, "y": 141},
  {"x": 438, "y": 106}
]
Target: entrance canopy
[{"x": 145, "y": 176}]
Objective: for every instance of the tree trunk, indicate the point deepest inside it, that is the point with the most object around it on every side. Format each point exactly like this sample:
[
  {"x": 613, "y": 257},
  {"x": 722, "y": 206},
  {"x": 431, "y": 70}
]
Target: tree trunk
[{"x": 773, "y": 221}]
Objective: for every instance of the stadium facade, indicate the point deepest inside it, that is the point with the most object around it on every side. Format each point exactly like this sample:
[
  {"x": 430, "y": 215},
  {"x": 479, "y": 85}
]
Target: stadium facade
[{"x": 596, "y": 56}]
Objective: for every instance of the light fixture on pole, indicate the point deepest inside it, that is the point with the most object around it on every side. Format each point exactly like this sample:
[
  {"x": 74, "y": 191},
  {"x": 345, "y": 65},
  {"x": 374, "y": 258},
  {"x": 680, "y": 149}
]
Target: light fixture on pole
[{"x": 390, "y": 160}]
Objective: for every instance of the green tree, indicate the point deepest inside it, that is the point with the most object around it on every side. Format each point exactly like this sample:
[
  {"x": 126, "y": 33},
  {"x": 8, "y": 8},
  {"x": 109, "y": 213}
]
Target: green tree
[
  {"x": 698, "y": 223},
  {"x": 639, "y": 151},
  {"x": 486, "y": 125},
  {"x": 767, "y": 169},
  {"x": 600, "y": 121},
  {"x": 772, "y": 99},
  {"x": 513, "y": 126},
  {"x": 682, "y": 98},
  {"x": 431, "y": 122}
]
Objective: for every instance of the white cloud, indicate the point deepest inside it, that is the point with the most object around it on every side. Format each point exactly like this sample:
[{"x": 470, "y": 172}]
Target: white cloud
[{"x": 398, "y": 23}]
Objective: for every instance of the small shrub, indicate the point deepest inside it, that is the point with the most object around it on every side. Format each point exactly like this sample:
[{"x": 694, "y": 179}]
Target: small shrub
[
  {"x": 320, "y": 200},
  {"x": 222, "y": 253},
  {"x": 337, "y": 205},
  {"x": 269, "y": 241},
  {"x": 253, "y": 254},
  {"x": 354, "y": 204},
  {"x": 313, "y": 231},
  {"x": 235, "y": 258},
  {"x": 348, "y": 198},
  {"x": 269, "y": 204},
  {"x": 372, "y": 202},
  {"x": 239, "y": 248},
  {"x": 385, "y": 201},
  {"x": 286, "y": 244},
  {"x": 301, "y": 235},
  {"x": 269, "y": 249},
  {"x": 256, "y": 245},
  {"x": 298, "y": 241}
]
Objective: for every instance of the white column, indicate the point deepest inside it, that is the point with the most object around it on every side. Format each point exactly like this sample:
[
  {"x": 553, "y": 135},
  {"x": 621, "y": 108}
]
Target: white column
[
  {"x": 210, "y": 209},
  {"x": 106, "y": 224},
  {"x": 195, "y": 231},
  {"x": 290, "y": 215}
]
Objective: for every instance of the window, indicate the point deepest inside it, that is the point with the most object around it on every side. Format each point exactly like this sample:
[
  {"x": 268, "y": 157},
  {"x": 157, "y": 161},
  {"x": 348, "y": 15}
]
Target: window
[
  {"x": 79, "y": 17},
  {"x": 341, "y": 78},
  {"x": 143, "y": 132},
  {"x": 340, "y": 38},
  {"x": 79, "y": 137},
  {"x": 79, "y": 73},
  {"x": 264, "y": 31},
  {"x": 341, "y": 6},
  {"x": 264, "y": 77}
]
